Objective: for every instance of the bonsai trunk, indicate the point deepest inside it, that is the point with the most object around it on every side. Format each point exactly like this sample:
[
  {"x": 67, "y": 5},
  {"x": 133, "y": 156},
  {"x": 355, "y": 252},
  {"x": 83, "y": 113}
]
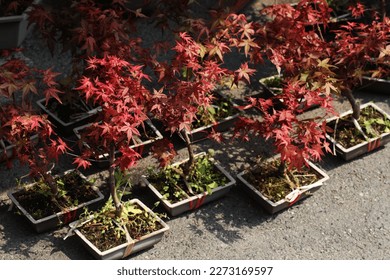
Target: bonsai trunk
[
  {"x": 111, "y": 182},
  {"x": 52, "y": 184},
  {"x": 354, "y": 104},
  {"x": 282, "y": 169},
  {"x": 188, "y": 166},
  {"x": 355, "y": 111},
  {"x": 191, "y": 160},
  {"x": 43, "y": 170}
]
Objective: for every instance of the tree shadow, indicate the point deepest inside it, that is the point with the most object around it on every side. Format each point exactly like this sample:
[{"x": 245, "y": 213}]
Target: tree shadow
[
  {"x": 19, "y": 241},
  {"x": 228, "y": 216},
  {"x": 330, "y": 162}
]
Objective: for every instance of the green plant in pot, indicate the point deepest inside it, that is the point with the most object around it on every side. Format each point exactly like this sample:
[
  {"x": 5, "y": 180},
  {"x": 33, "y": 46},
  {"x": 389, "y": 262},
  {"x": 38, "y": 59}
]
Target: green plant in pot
[{"x": 117, "y": 87}]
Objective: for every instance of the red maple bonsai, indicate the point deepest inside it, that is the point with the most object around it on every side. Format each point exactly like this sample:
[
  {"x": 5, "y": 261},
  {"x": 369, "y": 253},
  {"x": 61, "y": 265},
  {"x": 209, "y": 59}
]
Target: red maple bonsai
[
  {"x": 356, "y": 48},
  {"x": 313, "y": 69},
  {"x": 19, "y": 122},
  {"x": 187, "y": 86},
  {"x": 117, "y": 86},
  {"x": 302, "y": 61}
]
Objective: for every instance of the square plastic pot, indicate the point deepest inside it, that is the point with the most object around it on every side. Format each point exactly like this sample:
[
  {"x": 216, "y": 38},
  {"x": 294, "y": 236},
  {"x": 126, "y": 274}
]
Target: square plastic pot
[
  {"x": 364, "y": 147},
  {"x": 66, "y": 127},
  {"x": 274, "y": 207},
  {"x": 124, "y": 250},
  {"x": 58, "y": 219},
  {"x": 14, "y": 29},
  {"x": 196, "y": 201},
  {"x": 376, "y": 85}
]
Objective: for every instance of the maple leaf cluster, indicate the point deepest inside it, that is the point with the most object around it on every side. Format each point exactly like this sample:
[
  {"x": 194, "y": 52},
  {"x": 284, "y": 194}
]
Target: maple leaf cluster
[
  {"x": 31, "y": 134},
  {"x": 89, "y": 28},
  {"x": 187, "y": 84},
  {"x": 114, "y": 85}
]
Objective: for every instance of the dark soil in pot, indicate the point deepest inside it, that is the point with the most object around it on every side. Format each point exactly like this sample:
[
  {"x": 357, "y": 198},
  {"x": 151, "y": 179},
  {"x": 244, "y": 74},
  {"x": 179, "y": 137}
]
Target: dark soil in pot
[
  {"x": 105, "y": 234},
  {"x": 204, "y": 176},
  {"x": 347, "y": 135},
  {"x": 73, "y": 190},
  {"x": 68, "y": 111},
  {"x": 267, "y": 179}
]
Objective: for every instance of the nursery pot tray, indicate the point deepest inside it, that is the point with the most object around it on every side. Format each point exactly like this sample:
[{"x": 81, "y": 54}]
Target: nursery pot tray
[
  {"x": 14, "y": 29},
  {"x": 141, "y": 147},
  {"x": 274, "y": 207},
  {"x": 61, "y": 218},
  {"x": 126, "y": 249},
  {"x": 364, "y": 147},
  {"x": 196, "y": 201},
  {"x": 63, "y": 126}
]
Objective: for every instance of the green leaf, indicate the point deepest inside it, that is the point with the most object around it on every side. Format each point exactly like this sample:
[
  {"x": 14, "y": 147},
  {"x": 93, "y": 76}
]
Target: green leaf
[
  {"x": 134, "y": 210},
  {"x": 211, "y": 110}
]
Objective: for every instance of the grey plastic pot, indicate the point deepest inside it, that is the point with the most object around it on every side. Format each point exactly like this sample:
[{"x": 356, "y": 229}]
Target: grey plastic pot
[
  {"x": 196, "y": 201},
  {"x": 376, "y": 85},
  {"x": 66, "y": 127},
  {"x": 61, "y": 218},
  {"x": 362, "y": 148},
  {"x": 124, "y": 250},
  {"x": 274, "y": 207},
  {"x": 14, "y": 29}
]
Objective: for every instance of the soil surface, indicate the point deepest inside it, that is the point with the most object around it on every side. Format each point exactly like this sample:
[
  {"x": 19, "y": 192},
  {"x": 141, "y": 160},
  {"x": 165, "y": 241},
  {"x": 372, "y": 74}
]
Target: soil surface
[{"x": 348, "y": 218}]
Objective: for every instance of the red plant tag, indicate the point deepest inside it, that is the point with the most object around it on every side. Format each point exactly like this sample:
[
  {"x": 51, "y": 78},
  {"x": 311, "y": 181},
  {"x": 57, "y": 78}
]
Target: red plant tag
[
  {"x": 295, "y": 200},
  {"x": 69, "y": 216},
  {"x": 199, "y": 201},
  {"x": 372, "y": 145}
]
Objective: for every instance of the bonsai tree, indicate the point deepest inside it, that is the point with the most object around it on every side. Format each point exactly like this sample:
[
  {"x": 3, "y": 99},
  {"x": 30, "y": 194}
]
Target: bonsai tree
[
  {"x": 19, "y": 122},
  {"x": 313, "y": 69},
  {"x": 302, "y": 60},
  {"x": 116, "y": 86},
  {"x": 356, "y": 47},
  {"x": 188, "y": 83}
]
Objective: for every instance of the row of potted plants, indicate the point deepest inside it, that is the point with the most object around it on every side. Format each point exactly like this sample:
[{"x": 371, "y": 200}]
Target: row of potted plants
[{"x": 112, "y": 90}]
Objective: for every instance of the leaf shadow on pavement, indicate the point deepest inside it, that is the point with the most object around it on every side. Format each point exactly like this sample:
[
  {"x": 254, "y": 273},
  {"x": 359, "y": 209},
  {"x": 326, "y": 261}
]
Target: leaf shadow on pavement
[{"x": 19, "y": 240}]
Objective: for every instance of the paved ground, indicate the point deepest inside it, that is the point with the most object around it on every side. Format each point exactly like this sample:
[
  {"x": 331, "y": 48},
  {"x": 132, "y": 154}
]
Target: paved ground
[{"x": 348, "y": 218}]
